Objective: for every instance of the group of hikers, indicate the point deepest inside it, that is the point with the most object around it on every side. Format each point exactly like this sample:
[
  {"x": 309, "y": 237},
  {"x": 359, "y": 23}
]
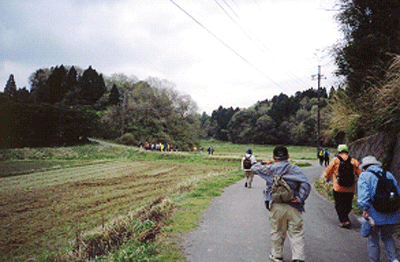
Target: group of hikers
[
  {"x": 210, "y": 150},
  {"x": 160, "y": 147},
  {"x": 323, "y": 156},
  {"x": 287, "y": 188}
]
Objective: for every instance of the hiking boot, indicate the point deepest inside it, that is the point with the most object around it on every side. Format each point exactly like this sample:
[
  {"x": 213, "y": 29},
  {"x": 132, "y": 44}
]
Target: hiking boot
[
  {"x": 275, "y": 259},
  {"x": 346, "y": 225},
  {"x": 245, "y": 184}
]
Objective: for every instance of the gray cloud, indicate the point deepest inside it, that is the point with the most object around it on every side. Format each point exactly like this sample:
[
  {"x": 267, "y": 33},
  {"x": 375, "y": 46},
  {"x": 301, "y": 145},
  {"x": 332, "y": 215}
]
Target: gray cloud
[{"x": 154, "y": 38}]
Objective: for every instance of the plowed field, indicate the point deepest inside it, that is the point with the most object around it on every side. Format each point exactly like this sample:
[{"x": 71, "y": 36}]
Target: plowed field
[{"x": 44, "y": 210}]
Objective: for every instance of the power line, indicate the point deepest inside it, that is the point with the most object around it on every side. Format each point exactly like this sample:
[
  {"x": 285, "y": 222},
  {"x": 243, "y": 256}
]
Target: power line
[
  {"x": 226, "y": 45},
  {"x": 233, "y": 11},
  {"x": 253, "y": 41}
]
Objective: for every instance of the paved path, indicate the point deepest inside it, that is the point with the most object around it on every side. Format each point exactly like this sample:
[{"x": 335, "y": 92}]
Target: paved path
[{"x": 236, "y": 228}]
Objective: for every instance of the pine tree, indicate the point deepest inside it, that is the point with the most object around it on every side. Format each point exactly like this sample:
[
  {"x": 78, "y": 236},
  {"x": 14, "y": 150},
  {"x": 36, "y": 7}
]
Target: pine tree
[
  {"x": 10, "y": 89},
  {"x": 114, "y": 98},
  {"x": 56, "y": 85},
  {"x": 91, "y": 86}
]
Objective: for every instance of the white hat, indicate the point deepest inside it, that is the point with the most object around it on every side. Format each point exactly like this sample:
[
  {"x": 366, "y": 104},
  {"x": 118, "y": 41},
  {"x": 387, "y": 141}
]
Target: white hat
[{"x": 369, "y": 160}]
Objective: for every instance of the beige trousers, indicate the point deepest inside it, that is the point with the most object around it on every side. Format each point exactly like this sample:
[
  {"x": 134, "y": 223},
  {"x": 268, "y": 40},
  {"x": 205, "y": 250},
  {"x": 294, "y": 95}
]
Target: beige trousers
[
  {"x": 249, "y": 178},
  {"x": 285, "y": 219}
]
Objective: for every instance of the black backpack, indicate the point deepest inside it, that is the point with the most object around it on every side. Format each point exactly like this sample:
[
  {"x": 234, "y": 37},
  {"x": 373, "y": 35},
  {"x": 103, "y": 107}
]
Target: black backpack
[
  {"x": 345, "y": 176},
  {"x": 247, "y": 163},
  {"x": 386, "y": 198}
]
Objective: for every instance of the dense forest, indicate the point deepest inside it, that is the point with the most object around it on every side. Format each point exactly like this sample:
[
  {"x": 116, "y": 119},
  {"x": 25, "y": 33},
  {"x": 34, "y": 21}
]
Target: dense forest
[
  {"x": 66, "y": 105},
  {"x": 281, "y": 120}
]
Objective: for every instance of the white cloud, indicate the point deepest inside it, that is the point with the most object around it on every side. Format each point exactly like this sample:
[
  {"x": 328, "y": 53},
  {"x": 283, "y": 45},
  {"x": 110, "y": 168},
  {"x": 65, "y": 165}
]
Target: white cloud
[{"x": 155, "y": 38}]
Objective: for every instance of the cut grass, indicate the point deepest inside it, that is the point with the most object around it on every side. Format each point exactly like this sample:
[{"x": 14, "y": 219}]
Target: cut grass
[
  {"x": 261, "y": 152},
  {"x": 44, "y": 211},
  {"x": 38, "y": 207}
]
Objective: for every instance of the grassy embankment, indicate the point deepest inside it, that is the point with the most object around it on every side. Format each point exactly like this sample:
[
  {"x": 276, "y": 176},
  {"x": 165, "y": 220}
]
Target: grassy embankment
[{"x": 64, "y": 204}]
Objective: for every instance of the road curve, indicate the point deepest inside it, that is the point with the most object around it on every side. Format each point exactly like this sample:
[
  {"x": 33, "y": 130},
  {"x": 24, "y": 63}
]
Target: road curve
[{"x": 236, "y": 228}]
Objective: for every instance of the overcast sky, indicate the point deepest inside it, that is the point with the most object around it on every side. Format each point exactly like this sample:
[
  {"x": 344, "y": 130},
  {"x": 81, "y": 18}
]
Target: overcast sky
[{"x": 220, "y": 52}]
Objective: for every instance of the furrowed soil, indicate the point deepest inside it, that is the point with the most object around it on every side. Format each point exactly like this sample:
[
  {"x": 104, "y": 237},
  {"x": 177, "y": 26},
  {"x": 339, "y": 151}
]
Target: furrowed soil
[{"x": 45, "y": 210}]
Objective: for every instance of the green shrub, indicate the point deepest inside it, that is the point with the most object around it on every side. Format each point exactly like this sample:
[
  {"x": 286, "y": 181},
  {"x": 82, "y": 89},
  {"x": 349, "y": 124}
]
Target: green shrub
[
  {"x": 136, "y": 252},
  {"x": 127, "y": 139}
]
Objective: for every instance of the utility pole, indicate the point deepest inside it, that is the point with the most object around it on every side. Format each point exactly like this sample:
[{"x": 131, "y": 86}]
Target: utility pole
[
  {"x": 123, "y": 114},
  {"x": 319, "y": 76}
]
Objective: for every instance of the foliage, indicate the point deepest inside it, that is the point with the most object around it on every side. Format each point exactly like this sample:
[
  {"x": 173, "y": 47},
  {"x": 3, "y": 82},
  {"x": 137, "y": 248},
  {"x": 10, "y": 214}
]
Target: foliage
[
  {"x": 127, "y": 139},
  {"x": 239, "y": 126},
  {"x": 385, "y": 102},
  {"x": 10, "y": 90},
  {"x": 114, "y": 98},
  {"x": 345, "y": 117},
  {"x": 371, "y": 39},
  {"x": 136, "y": 252},
  {"x": 221, "y": 117},
  {"x": 44, "y": 125},
  {"x": 377, "y": 111},
  {"x": 66, "y": 105},
  {"x": 154, "y": 115},
  {"x": 59, "y": 85},
  {"x": 282, "y": 120},
  {"x": 367, "y": 59}
]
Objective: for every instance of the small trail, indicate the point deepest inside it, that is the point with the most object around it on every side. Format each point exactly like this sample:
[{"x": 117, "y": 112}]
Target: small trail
[{"x": 236, "y": 228}]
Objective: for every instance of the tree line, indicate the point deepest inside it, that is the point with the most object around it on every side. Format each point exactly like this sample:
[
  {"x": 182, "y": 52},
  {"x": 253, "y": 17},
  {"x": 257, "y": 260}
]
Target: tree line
[
  {"x": 66, "y": 105},
  {"x": 365, "y": 101},
  {"x": 281, "y": 120}
]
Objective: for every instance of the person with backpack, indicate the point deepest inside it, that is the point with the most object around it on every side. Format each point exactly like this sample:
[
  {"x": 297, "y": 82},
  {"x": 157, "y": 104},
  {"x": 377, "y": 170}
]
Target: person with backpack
[
  {"x": 343, "y": 170},
  {"x": 378, "y": 196},
  {"x": 285, "y": 195},
  {"x": 247, "y": 161},
  {"x": 326, "y": 157},
  {"x": 320, "y": 156}
]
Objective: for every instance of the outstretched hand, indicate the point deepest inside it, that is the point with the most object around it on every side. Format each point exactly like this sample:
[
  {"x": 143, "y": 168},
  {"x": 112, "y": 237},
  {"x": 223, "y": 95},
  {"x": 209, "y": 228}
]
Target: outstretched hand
[
  {"x": 266, "y": 162},
  {"x": 365, "y": 214},
  {"x": 295, "y": 200}
]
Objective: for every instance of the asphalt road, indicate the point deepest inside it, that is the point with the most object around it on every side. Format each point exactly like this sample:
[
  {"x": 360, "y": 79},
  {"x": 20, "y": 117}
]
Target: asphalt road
[{"x": 236, "y": 228}]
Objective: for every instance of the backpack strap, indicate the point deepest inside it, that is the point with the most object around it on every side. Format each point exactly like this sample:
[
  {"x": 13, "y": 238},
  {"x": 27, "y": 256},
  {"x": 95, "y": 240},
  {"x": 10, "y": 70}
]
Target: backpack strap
[
  {"x": 287, "y": 171},
  {"x": 382, "y": 174},
  {"x": 341, "y": 159}
]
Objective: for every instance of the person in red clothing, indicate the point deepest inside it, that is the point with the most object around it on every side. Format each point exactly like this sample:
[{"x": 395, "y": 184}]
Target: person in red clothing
[{"x": 343, "y": 195}]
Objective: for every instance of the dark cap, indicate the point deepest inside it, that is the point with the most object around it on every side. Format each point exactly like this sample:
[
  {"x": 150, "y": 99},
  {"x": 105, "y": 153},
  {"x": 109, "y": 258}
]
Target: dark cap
[{"x": 281, "y": 153}]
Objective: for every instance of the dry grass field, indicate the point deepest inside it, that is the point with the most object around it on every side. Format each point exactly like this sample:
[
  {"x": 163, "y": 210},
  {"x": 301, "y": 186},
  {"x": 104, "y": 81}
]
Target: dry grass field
[
  {"x": 49, "y": 197},
  {"x": 44, "y": 210}
]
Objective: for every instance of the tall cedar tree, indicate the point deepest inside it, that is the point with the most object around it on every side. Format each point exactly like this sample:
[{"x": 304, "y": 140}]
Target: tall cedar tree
[
  {"x": 10, "y": 89},
  {"x": 55, "y": 88},
  {"x": 222, "y": 116},
  {"x": 91, "y": 87},
  {"x": 114, "y": 98}
]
